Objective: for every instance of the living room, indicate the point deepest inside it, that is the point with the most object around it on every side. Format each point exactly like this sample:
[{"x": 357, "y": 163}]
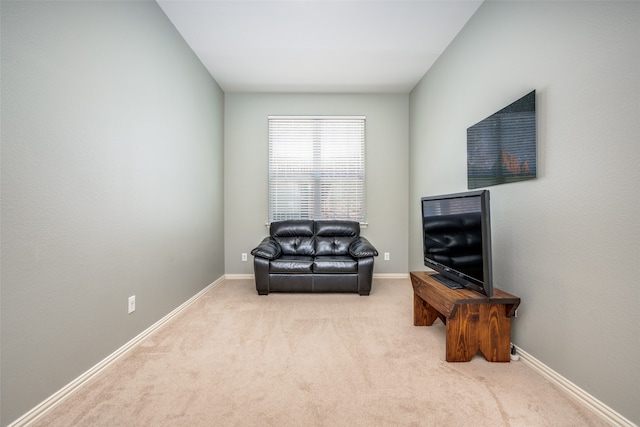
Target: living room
[{"x": 126, "y": 169}]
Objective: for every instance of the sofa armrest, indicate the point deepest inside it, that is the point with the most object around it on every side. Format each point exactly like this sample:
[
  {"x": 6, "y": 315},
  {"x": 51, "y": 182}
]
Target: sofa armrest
[
  {"x": 268, "y": 248},
  {"x": 361, "y": 248}
]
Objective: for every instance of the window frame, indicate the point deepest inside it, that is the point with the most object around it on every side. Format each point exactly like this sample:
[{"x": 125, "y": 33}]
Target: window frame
[{"x": 319, "y": 148}]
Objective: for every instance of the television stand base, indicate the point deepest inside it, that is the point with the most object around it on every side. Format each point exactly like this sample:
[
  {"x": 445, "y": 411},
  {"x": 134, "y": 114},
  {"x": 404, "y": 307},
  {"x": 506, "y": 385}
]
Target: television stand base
[{"x": 474, "y": 322}]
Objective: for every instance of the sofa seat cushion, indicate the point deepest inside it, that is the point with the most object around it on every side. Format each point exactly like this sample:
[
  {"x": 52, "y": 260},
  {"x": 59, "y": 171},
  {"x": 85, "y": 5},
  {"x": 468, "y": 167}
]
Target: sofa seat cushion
[
  {"x": 291, "y": 264},
  {"x": 335, "y": 264}
]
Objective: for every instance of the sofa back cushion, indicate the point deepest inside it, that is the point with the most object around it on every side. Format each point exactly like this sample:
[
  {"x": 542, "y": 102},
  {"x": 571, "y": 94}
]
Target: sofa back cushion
[
  {"x": 334, "y": 237},
  {"x": 295, "y": 237}
]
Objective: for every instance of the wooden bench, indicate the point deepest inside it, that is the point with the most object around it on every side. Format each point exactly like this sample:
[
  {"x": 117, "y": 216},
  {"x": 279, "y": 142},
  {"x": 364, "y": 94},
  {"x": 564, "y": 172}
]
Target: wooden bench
[{"x": 474, "y": 322}]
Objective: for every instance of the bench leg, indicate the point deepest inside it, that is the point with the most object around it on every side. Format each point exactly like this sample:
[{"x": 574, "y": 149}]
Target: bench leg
[{"x": 423, "y": 313}]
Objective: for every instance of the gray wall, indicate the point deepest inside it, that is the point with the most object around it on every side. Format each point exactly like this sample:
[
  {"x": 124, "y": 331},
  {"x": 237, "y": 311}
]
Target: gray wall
[
  {"x": 111, "y": 185},
  {"x": 567, "y": 243},
  {"x": 246, "y": 166}
]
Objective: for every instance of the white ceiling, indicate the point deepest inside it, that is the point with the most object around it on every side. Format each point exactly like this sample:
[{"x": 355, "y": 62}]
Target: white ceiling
[{"x": 358, "y": 46}]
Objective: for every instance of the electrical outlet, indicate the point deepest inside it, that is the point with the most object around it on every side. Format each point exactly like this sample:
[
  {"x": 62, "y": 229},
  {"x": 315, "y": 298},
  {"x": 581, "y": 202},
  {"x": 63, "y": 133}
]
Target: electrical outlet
[
  {"x": 387, "y": 256},
  {"x": 132, "y": 304},
  {"x": 244, "y": 256}
]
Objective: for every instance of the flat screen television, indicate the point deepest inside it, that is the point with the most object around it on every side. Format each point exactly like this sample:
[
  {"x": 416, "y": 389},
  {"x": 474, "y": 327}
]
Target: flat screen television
[
  {"x": 456, "y": 231},
  {"x": 502, "y": 148}
]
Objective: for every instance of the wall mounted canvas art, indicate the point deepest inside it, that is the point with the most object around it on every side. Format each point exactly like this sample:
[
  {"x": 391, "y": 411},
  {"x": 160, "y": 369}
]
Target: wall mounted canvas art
[{"x": 502, "y": 148}]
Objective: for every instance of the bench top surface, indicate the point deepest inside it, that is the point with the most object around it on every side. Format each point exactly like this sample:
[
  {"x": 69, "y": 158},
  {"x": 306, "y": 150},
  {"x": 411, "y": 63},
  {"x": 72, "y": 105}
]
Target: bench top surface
[{"x": 445, "y": 300}]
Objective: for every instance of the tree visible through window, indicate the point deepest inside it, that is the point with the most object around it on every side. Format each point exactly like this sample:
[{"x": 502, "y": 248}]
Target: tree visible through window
[{"x": 316, "y": 168}]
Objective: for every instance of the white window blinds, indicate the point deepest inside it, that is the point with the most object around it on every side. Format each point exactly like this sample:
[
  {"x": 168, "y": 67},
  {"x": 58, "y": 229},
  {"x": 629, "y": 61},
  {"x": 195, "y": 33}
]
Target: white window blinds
[{"x": 316, "y": 168}]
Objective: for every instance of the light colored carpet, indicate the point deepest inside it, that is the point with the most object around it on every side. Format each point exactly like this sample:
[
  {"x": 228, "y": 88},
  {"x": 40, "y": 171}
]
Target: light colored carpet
[{"x": 234, "y": 358}]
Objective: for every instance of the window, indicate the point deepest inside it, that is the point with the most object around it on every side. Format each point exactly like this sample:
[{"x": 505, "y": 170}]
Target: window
[{"x": 316, "y": 168}]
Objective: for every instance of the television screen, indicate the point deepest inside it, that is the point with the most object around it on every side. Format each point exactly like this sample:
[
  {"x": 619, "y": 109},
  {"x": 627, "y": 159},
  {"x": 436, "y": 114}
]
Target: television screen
[
  {"x": 502, "y": 147},
  {"x": 457, "y": 240}
]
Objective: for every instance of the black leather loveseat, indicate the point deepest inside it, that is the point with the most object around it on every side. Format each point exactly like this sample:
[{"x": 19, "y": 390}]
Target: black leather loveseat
[{"x": 314, "y": 256}]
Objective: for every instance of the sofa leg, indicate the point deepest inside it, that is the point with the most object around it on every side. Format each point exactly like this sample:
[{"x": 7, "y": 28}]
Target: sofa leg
[
  {"x": 263, "y": 292},
  {"x": 364, "y": 294}
]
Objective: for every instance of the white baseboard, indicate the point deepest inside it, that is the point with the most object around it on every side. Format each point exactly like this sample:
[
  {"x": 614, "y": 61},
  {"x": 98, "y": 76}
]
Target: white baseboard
[
  {"x": 584, "y": 398},
  {"x": 58, "y": 397},
  {"x": 239, "y": 276},
  {"x": 390, "y": 275}
]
